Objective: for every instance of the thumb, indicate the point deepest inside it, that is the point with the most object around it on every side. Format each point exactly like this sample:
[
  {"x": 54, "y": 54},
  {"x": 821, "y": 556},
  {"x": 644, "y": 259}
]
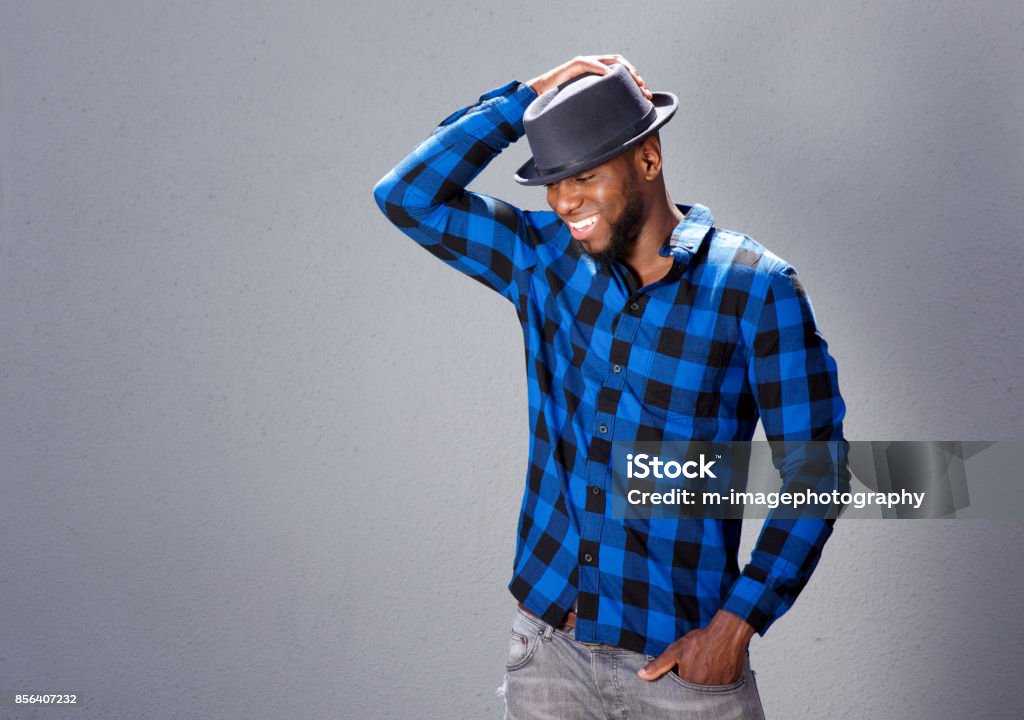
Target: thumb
[{"x": 657, "y": 667}]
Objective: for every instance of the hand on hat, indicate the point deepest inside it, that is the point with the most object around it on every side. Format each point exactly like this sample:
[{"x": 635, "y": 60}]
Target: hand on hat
[{"x": 584, "y": 64}]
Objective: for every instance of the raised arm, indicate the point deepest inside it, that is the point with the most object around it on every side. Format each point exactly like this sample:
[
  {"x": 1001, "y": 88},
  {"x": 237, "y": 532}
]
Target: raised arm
[{"x": 425, "y": 195}]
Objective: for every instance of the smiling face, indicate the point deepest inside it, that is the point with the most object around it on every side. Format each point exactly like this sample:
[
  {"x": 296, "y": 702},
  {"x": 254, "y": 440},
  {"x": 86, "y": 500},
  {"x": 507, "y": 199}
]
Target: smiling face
[{"x": 603, "y": 207}]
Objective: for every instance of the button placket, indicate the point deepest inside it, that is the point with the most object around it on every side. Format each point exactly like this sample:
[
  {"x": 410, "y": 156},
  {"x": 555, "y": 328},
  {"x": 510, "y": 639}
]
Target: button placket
[{"x": 624, "y": 330}]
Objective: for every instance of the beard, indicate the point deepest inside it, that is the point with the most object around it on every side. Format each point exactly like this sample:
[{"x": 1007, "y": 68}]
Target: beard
[{"x": 625, "y": 229}]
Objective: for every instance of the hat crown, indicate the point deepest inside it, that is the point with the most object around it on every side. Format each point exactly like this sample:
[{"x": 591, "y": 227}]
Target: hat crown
[{"x": 577, "y": 120}]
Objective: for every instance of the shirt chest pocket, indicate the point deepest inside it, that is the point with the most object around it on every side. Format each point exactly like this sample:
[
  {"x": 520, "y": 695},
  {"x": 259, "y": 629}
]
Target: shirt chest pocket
[{"x": 689, "y": 385}]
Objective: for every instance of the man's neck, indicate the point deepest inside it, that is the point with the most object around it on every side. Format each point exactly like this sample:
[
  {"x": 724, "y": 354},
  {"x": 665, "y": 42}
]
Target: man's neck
[{"x": 645, "y": 259}]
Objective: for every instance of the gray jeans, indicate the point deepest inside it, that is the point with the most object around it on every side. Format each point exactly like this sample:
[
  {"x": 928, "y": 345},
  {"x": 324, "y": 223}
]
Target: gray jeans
[{"x": 549, "y": 675}]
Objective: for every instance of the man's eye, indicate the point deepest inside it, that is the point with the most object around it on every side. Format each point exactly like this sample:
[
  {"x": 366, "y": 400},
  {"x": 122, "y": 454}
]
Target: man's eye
[{"x": 584, "y": 178}]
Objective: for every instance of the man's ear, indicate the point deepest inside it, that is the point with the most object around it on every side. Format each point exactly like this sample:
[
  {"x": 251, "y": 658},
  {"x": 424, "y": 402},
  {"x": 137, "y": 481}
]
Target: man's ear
[{"x": 648, "y": 157}]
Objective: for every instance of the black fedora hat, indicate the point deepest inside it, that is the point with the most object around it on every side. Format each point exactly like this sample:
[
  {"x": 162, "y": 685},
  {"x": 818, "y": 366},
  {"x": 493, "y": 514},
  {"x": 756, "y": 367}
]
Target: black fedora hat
[{"x": 588, "y": 121}]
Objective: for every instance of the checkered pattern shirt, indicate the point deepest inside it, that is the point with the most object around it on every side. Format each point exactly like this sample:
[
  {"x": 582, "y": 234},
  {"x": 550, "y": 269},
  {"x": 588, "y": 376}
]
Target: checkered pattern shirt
[{"x": 726, "y": 337}]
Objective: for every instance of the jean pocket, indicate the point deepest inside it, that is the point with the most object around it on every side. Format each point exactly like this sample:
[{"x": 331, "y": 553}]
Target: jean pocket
[
  {"x": 521, "y": 648},
  {"x": 673, "y": 674},
  {"x": 706, "y": 688}
]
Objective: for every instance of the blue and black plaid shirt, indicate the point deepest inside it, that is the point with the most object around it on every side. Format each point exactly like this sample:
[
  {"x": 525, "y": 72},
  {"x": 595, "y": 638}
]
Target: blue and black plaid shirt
[{"x": 726, "y": 337}]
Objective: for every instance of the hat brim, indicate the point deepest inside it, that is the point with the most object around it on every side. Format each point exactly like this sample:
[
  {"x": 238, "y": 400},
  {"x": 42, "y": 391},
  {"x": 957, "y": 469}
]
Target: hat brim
[{"x": 665, "y": 104}]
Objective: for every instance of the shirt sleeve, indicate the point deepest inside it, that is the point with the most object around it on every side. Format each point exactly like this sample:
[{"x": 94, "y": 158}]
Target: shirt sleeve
[
  {"x": 425, "y": 195},
  {"x": 794, "y": 380}
]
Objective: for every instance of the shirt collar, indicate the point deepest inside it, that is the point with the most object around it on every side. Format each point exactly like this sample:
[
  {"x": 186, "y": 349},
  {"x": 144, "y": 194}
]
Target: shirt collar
[{"x": 690, "y": 233}]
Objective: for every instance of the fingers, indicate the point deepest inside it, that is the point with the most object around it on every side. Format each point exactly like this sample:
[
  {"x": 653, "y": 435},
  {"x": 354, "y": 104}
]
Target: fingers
[
  {"x": 581, "y": 64},
  {"x": 643, "y": 85},
  {"x": 616, "y": 58},
  {"x": 568, "y": 70},
  {"x": 589, "y": 63}
]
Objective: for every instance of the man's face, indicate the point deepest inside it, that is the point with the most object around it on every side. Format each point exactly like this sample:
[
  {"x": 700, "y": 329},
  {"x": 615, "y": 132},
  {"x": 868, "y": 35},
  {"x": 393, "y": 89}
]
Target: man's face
[{"x": 603, "y": 207}]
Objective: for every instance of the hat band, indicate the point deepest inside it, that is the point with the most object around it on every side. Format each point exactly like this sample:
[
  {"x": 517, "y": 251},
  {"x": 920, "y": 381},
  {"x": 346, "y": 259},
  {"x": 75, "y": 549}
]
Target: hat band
[{"x": 628, "y": 134}]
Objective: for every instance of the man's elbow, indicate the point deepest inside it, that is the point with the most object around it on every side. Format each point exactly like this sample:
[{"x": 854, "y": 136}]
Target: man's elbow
[
  {"x": 383, "y": 190},
  {"x": 388, "y": 195}
]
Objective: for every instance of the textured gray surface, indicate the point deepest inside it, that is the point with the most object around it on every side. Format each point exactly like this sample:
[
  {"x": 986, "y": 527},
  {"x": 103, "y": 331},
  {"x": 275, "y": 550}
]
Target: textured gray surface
[{"x": 262, "y": 456}]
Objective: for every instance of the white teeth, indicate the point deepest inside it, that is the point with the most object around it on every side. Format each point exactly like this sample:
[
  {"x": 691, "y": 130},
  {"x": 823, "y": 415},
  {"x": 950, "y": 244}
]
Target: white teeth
[{"x": 584, "y": 223}]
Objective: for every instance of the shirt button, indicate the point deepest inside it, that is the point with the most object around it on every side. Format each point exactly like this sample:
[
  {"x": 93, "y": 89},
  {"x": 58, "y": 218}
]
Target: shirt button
[
  {"x": 689, "y": 246},
  {"x": 588, "y": 558},
  {"x": 602, "y": 429},
  {"x": 634, "y": 306},
  {"x": 616, "y": 368},
  {"x": 595, "y": 490}
]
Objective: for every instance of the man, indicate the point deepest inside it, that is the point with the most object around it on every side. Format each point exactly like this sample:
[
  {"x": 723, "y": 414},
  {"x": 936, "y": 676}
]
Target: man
[{"x": 642, "y": 322}]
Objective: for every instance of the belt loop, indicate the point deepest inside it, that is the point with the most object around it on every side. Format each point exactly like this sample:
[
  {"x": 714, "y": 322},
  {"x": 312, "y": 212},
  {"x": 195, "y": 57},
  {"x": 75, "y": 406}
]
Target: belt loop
[{"x": 548, "y": 631}]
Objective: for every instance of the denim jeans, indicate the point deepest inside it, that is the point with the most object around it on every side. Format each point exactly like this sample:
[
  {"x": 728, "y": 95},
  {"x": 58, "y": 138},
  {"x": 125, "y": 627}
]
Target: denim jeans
[{"x": 549, "y": 675}]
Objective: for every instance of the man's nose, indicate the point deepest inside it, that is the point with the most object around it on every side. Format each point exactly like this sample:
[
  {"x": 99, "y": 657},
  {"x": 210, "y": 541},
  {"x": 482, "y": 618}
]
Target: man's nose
[{"x": 564, "y": 199}]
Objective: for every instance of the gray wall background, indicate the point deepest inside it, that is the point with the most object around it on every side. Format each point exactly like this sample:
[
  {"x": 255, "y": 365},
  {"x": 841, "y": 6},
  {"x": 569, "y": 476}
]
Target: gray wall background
[{"x": 262, "y": 456}]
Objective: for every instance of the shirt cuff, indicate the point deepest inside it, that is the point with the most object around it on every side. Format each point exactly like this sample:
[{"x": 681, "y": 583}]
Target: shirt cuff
[
  {"x": 514, "y": 108},
  {"x": 753, "y": 601},
  {"x": 504, "y": 107}
]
